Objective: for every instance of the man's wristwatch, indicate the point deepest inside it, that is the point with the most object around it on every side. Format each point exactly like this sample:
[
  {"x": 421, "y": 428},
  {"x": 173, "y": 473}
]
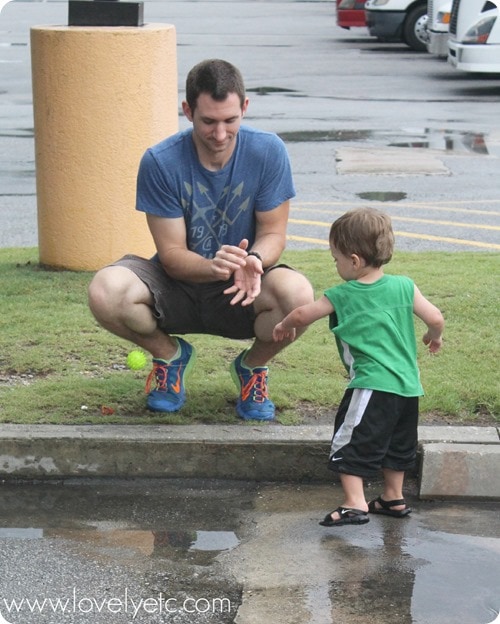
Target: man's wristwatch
[{"x": 257, "y": 255}]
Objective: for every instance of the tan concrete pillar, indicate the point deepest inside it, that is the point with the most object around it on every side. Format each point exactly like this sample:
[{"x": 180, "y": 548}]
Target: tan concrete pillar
[{"x": 101, "y": 96}]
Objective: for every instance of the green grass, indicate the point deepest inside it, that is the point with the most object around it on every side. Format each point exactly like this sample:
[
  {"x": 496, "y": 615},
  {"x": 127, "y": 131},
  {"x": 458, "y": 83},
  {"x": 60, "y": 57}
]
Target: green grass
[{"x": 58, "y": 366}]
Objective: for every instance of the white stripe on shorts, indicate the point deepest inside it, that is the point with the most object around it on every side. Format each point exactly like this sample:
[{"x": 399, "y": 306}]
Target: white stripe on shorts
[{"x": 354, "y": 414}]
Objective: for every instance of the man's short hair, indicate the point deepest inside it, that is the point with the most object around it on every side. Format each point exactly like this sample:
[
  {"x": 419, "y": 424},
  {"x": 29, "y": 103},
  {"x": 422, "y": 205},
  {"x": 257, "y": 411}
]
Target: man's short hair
[{"x": 216, "y": 77}]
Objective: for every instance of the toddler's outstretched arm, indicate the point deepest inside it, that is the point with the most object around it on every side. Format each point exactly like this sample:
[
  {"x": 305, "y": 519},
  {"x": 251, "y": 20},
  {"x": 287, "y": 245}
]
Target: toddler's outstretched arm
[
  {"x": 433, "y": 318},
  {"x": 302, "y": 317}
]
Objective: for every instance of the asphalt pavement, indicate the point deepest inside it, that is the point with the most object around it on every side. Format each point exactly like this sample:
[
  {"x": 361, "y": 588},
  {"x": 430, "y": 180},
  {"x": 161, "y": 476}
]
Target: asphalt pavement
[
  {"x": 182, "y": 551},
  {"x": 359, "y": 127},
  {"x": 364, "y": 122}
]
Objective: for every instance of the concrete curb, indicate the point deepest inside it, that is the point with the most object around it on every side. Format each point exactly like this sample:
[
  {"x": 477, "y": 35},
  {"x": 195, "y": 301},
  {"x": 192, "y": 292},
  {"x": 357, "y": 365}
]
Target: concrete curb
[
  {"x": 460, "y": 470},
  {"x": 462, "y": 462}
]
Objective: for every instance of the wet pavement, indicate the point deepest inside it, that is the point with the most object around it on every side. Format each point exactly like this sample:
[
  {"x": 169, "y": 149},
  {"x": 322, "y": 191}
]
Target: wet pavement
[{"x": 151, "y": 551}]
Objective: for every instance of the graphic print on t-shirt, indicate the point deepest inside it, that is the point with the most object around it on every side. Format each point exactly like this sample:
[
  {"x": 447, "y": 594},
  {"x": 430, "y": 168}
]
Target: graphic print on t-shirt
[{"x": 216, "y": 216}]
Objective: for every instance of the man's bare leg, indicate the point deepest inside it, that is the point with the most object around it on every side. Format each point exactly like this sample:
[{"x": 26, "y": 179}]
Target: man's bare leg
[{"x": 121, "y": 304}]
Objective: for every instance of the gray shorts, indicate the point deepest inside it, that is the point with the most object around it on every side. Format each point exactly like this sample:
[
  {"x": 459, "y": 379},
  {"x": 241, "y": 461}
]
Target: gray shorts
[{"x": 192, "y": 308}]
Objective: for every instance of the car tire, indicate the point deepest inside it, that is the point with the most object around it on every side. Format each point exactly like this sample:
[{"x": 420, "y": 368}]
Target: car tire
[{"x": 415, "y": 33}]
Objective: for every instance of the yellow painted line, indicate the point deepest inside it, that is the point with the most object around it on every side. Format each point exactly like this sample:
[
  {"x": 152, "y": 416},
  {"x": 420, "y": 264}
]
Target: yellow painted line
[
  {"x": 411, "y": 220},
  {"x": 305, "y": 239},
  {"x": 346, "y": 206},
  {"x": 442, "y": 239},
  {"x": 450, "y": 207},
  {"x": 445, "y": 239},
  {"x": 476, "y": 226},
  {"x": 417, "y": 203}
]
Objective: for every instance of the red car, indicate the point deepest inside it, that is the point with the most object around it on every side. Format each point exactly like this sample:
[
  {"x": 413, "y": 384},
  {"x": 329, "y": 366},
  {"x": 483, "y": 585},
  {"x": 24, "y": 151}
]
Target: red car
[{"x": 351, "y": 13}]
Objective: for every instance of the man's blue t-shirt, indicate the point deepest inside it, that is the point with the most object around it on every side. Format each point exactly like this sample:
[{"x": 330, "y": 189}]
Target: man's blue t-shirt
[{"x": 218, "y": 206}]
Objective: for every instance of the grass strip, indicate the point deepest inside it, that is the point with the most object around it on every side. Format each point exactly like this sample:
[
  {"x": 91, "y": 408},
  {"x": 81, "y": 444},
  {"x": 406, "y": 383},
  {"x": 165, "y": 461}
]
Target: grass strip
[{"x": 58, "y": 366}]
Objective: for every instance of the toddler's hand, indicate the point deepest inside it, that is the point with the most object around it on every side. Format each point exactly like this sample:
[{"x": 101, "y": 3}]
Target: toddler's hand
[
  {"x": 434, "y": 344},
  {"x": 280, "y": 333}
]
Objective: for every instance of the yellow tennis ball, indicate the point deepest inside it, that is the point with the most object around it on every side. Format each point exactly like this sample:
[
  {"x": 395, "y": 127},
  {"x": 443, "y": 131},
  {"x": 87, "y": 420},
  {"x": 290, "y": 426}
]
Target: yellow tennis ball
[{"x": 136, "y": 360}]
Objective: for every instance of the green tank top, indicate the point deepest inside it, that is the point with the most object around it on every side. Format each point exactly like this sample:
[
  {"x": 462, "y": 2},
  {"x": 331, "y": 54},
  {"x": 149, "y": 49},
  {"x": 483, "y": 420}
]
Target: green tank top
[{"x": 374, "y": 329}]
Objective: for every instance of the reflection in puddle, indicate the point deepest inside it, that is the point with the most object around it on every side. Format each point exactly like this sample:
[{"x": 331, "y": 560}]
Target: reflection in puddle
[
  {"x": 215, "y": 540},
  {"x": 447, "y": 140},
  {"x": 147, "y": 541},
  {"x": 314, "y": 136},
  {"x": 17, "y": 533},
  {"x": 426, "y": 573},
  {"x": 425, "y": 138},
  {"x": 206, "y": 541},
  {"x": 464, "y": 565},
  {"x": 382, "y": 196}
]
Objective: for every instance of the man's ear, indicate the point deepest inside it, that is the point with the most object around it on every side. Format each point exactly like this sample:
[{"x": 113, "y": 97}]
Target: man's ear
[
  {"x": 244, "y": 107},
  {"x": 186, "y": 109}
]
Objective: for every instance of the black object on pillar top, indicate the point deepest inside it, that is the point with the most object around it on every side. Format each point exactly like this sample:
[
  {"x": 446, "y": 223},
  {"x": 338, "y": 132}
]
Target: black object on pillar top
[{"x": 105, "y": 13}]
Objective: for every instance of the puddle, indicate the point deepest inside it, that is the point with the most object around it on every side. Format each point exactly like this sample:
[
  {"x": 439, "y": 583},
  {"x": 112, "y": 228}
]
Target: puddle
[
  {"x": 470, "y": 142},
  {"x": 268, "y": 90},
  {"x": 314, "y": 136},
  {"x": 425, "y": 138},
  {"x": 17, "y": 133},
  {"x": 426, "y": 575},
  {"x": 382, "y": 196},
  {"x": 207, "y": 541},
  {"x": 239, "y": 551},
  {"x": 18, "y": 533},
  {"x": 215, "y": 541}
]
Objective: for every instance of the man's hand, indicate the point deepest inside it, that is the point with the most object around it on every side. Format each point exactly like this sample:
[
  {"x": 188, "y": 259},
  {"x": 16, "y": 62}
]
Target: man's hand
[
  {"x": 247, "y": 272},
  {"x": 229, "y": 259},
  {"x": 247, "y": 282}
]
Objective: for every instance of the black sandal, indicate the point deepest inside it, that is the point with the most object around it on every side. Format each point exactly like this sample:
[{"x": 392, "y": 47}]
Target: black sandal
[
  {"x": 348, "y": 515},
  {"x": 385, "y": 507}
]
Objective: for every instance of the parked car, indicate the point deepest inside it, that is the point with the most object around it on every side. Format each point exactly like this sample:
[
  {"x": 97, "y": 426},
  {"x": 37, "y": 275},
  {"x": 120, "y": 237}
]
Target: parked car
[
  {"x": 474, "y": 43},
  {"x": 351, "y": 13},
  {"x": 398, "y": 20},
  {"x": 438, "y": 26}
]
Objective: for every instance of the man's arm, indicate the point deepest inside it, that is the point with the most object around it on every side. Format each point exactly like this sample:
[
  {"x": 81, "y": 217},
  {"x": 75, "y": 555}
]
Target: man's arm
[
  {"x": 270, "y": 241},
  {"x": 180, "y": 263},
  {"x": 270, "y": 236}
]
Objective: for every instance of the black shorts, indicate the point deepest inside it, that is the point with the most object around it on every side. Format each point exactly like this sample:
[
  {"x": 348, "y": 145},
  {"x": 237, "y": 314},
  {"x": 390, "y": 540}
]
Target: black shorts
[
  {"x": 192, "y": 308},
  {"x": 374, "y": 430}
]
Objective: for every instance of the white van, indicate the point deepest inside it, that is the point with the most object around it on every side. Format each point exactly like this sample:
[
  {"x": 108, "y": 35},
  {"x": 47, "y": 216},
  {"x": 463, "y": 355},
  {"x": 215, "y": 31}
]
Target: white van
[
  {"x": 438, "y": 26},
  {"x": 474, "y": 42},
  {"x": 398, "y": 20}
]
